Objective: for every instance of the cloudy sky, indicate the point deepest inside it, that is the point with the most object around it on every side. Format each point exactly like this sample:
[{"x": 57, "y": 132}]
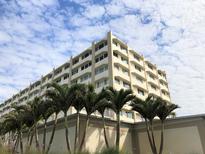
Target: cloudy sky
[{"x": 37, "y": 35}]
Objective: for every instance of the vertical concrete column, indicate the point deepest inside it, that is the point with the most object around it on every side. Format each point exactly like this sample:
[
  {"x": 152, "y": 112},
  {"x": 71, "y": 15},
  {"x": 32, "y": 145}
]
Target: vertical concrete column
[
  {"x": 93, "y": 64},
  {"x": 110, "y": 59},
  {"x": 160, "y": 92},
  {"x": 129, "y": 66},
  {"x": 145, "y": 73},
  {"x": 71, "y": 110},
  {"x": 70, "y": 70}
]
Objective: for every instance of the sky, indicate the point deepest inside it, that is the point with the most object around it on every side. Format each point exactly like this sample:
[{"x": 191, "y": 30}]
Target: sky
[{"x": 38, "y": 35}]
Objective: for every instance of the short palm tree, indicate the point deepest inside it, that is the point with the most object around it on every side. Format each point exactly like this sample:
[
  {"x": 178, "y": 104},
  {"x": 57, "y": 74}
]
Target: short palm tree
[
  {"x": 164, "y": 110},
  {"x": 60, "y": 94},
  {"x": 118, "y": 100}
]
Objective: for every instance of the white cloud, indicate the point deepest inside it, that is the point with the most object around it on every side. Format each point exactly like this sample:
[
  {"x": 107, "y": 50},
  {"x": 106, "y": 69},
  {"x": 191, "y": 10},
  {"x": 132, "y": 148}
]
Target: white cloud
[{"x": 36, "y": 36}]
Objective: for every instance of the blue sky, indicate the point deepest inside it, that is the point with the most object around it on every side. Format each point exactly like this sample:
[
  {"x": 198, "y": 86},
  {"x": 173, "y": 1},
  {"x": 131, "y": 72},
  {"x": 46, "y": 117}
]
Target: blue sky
[{"x": 37, "y": 35}]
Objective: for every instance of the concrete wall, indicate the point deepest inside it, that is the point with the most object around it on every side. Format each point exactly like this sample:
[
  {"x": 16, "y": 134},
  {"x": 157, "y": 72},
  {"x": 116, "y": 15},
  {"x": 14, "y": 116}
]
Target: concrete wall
[{"x": 182, "y": 135}]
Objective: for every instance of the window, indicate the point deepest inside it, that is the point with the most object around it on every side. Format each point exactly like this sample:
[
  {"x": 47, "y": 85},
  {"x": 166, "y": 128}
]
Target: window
[
  {"x": 115, "y": 54},
  {"x": 85, "y": 77},
  {"x": 136, "y": 57},
  {"x": 75, "y": 61},
  {"x": 140, "y": 92},
  {"x": 58, "y": 80},
  {"x": 153, "y": 87},
  {"x": 74, "y": 71},
  {"x": 138, "y": 68},
  {"x": 86, "y": 65},
  {"x": 151, "y": 76},
  {"x": 139, "y": 79},
  {"x": 49, "y": 76},
  {"x": 162, "y": 83},
  {"x": 126, "y": 85},
  {"x": 115, "y": 43},
  {"x": 101, "y": 69},
  {"x": 101, "y": 83},
  {"x": 124, "y": 60},
  {"x": 150, "y": 66},
  {"x": 117, "y": 67},
  {"x": 117, "y": 81},
  {"x": 66, "y": 76},
  {"x": 125, "y": 72},
  {"x": 86, "y": 55},
  {"x": 67, "y": 66},
  {"x": 100, "y": 57},
  {"x": 58, "y": 71},
  {"x": 101, "y": 45},
  {"x": 123, "y": 49}
]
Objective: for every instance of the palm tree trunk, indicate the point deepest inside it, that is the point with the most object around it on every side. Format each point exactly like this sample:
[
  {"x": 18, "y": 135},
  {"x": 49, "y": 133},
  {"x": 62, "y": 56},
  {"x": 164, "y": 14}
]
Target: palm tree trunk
[
  {"x": 21, "y": 142},
  {"x": 149, "y": 136},
  {"x": 118, "y": 132},
  {"x": 76, "y": 132},
  {"x": 52, "y": 134},
  {"x": 85, "y": 131},
  {"x": 104, "y": 131},
  {"x": 162, "y": 138},
  {"x": 153, "y": 138},
  {"x": 28, "y": 137},
  {"x": 31, "y": 139},
  {"x": 16, "y": 144},
  {"x": 36, "y": 137},
  {"x": 44, "y": 135},
  {"x": 66, "y": 132}
]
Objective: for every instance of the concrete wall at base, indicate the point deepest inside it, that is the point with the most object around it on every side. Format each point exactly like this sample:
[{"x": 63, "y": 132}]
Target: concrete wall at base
[{"x": 182, "y": 135}]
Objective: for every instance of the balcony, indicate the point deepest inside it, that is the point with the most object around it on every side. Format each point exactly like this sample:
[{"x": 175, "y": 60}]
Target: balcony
[
  {"x": 99, "y": 63},
  {"x": 105, "y": 48},
  {"x": 102, "y": 75},
  {"x": 81, "y": 61},
  {"x": 81, "y": 72},
  {"x": 120, "y": 75},
  {"x": 120, "y": 62},
  {"x": 139, "y": 84}
]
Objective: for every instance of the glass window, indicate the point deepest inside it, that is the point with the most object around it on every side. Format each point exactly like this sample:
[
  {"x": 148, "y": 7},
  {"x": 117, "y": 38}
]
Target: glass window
[
  {"x": 140, "y": 92},
  {"x": 101, "y": 69},
  {"x": 101, "y": 57},
  {"x": 117, "y": 81}
]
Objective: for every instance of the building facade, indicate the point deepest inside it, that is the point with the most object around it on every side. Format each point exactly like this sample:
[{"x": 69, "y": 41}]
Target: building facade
[{"x": 108, "y": 62}]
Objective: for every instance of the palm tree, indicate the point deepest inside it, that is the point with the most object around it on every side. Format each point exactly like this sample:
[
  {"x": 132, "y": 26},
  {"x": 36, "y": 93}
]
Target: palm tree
[
  {"x": 47, "y": 110},
  {"x": 90, "y": 104},
  {"x": 14, "y": 119},
  {"x": 101, "y": 107},
  {"x": 118, "y": 100},
  {"x": 77, "y": 97},
  {"x": 164, "y": 110},
  {"x": 148, "y": 110},
  {"x": 56, "y": 110},
  {"x": 60, "y": 94}
]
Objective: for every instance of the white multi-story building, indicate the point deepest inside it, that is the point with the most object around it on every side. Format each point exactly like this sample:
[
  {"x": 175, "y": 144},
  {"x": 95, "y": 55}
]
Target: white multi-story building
[{"x": 108, "y": 62}]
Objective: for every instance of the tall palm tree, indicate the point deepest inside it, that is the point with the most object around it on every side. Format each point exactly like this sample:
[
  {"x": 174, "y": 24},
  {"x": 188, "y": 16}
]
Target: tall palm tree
[
  {"x": 101, "y": 107},
  {"x": 164, "y": 110},
  {"x": 148, "y": 110},
  {"x": 60, "y": 94},
  {"x": 77, "y": 97},
  {"x": 91, "y": 100},
  {"x": 56, "y": 107},
  {"x": 47, "y": 110},
  {"x": 118, "y": 100}
]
